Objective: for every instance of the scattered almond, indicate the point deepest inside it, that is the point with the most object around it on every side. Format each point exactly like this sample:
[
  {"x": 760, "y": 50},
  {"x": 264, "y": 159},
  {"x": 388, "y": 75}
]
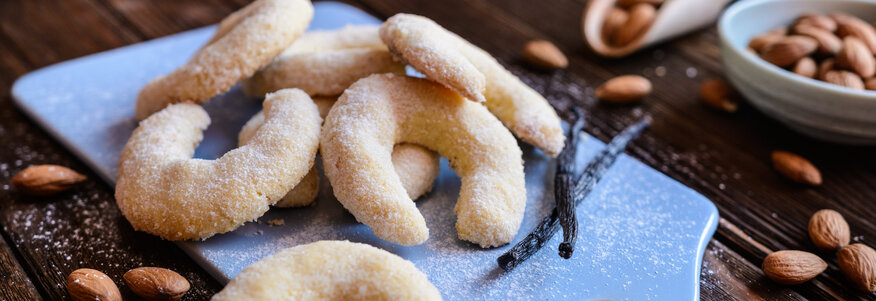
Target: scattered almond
[
  {"x": 88, "y": 284},
  {"x": 858, "y": 263},
  {"x": 828, "y": 230},
  {"x": 760, "y": 42},
  {"x": 544, "y": 54},
  {"x": 855, "y": 56},
  {"x": 789, "y": 50},
  {"x": 641, "y": 16},
  {"x": 624, "y": 89},
  {"x": 848, "y": 25},
  {"x": 796, "y": 168},
  {"x": 615, "y": 18},
  {"x": 816, "y": 20},
  {"x": 157, "y": 283},
  {"x": 718, "y": 94},
  {"x": 43, "y": 180},
  {"x": 828, "y": 43},
  {"x": 805, "y": 67},
  {"x": 792, "y": 267},
  {"x": 844, "y": 78}
]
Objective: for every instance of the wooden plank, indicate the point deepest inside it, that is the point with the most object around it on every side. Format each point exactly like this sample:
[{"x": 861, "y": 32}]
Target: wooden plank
[{"x": 14, "y": 283}]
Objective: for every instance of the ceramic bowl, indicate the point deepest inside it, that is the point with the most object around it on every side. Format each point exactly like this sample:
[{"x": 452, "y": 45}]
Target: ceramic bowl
[{"x": 812, "y": 107}]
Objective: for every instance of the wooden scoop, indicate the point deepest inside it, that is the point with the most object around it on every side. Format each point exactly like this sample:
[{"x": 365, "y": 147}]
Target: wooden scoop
[{"x": 674, "y": 18}]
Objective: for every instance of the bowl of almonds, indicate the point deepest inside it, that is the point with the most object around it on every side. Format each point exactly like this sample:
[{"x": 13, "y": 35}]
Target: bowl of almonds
[{"x": 807, "y": 63}]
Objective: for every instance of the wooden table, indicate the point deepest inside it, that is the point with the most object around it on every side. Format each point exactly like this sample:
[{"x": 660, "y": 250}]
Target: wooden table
[{"x": 723, "y": 156}]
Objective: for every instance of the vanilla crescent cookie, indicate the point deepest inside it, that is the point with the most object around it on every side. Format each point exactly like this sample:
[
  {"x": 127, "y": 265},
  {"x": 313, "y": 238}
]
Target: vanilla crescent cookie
[
  {"x": 162, "y": 190},
  {"x": 330, "y": 270},
  {"x": 324, "y": 63},
  {"x": 451, "y": 60},
  {"x": 244, "y": 42},
  {"x": 380, "y": 111},
  {"x": 416, "y": 166}
]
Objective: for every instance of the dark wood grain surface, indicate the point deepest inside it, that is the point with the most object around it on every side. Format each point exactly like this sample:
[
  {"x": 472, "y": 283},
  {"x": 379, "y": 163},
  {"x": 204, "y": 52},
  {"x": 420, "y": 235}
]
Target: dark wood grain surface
[{"x": 723, "y": 156}]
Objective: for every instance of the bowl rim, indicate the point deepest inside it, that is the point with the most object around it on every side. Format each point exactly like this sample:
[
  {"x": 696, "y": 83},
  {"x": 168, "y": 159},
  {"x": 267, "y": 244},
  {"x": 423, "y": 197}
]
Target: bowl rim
[{"x": 724, "y": 30}]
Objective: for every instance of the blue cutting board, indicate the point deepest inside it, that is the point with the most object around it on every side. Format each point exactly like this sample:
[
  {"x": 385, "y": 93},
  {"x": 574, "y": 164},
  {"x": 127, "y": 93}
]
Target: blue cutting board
[{"x": 642, "y": 234}]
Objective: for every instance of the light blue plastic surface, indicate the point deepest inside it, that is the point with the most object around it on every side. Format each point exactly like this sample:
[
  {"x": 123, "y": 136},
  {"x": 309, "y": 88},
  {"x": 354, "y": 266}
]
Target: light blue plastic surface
[{"x": 642, "y": 234}]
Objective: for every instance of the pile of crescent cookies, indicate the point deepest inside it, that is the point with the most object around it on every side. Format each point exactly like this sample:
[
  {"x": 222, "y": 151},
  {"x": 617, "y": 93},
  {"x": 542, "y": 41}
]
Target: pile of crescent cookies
[{"x": 344, "y": 94}]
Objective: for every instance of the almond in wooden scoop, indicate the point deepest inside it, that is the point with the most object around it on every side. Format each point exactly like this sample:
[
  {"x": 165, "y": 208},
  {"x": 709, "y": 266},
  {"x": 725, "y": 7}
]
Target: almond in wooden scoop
[
  {"x": 44, "y": 180},
  {"x": 544, "y": 54},
  {"x": 796, "y": 168},
  {"x": 88, "y": 284},
  {"x": 858, "y": 263},
  {"x": 157, "y": 283},
  {"x": 624, "y": 89},
  {"x": 792, "y": 267},
  {"x": 828, "y": 230}
]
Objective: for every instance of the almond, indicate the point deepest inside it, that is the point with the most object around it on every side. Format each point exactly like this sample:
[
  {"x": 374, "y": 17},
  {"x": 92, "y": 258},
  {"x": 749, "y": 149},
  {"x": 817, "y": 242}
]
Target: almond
[
  {"x": 789, "y": 50},
  {"x": 641, "y": 17},
  {"x": 88, "y": 284},
  {"x": 544, "y": 54},
  {"x": 805, "y": 67},
  {"x": 828, "y": 230},
  {"x": 844, "y": 78},
  {"x": 624, "y": 89},
  {"x": 816, "y": 20},
  {"x": 717, "y": 94},
  {"x": 615, "y": 18},
  {"x": 44, "y": 180},
  {"x": 760, "y": 42},
  {"x": 848, "y": 25},
  {"x": 152, "y": 283},
  {"x": 828, "y": 43},
  {"x": 858, "y": 263},
  {"x": 825, "y": 66},
  {"x": 855, "y": 56},
  {"x": 796, "y": 168},
  {"x": 870, "y": 84},
  {"x": 630, "y": 3},
  {"x": 792, "y": 267}
]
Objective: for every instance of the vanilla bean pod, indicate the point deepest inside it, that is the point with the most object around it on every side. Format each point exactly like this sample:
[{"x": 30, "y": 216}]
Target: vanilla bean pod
[
  {"x": 564, "y": 182},
  {"x": 591, "y": 176}
]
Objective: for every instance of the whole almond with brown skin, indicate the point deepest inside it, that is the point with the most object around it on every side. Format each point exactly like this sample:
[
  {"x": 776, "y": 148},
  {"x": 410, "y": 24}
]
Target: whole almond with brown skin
[
  {"x": 825, "y": 66},
  {"x": 624, "y": 89},
  {"x": 870, "y": 84},
  {"x": 828, "y": 230},
  {"x": 828, "y": 43},
  {"x": 152, "y": 283},
  {"x": 88, "y": 284},
  {"x": 805, "y": 67},
  {"x": 44, "y": 180},
  {"x": 629, "y": 3},
  {"x": 760, "y": 42},
  {"x": 615, "y": 18},
  {"x": 718, "y": 94},
  {"x": 855, "y": 56},
  {"x": 544, "y": 54},
  {"x": 858, "y": 263},
  {"x": 789, "y": 50},
  {"x": 816, "y": 20},
  {"x": 848, "y": 25},
  {"x": 641, "y": 17},
  {"x": 796, "y": 168},
  {"x": 844, "y": 78},
  {"x": 792, "y": 267}
]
